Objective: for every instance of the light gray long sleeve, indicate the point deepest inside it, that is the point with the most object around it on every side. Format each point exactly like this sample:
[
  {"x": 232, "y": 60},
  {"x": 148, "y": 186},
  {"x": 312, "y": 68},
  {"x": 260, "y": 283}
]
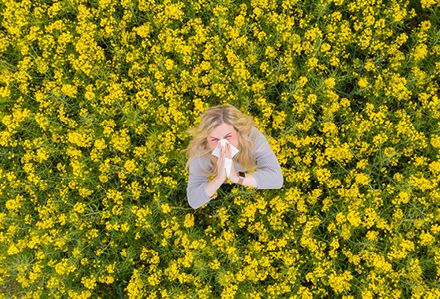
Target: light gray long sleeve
[
  {"x": 197, "y": 181},
  {"x": 268, "y": 174}
]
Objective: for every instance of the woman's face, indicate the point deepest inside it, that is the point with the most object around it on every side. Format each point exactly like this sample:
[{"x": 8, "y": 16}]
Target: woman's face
[{"x": 223, "y": 131}]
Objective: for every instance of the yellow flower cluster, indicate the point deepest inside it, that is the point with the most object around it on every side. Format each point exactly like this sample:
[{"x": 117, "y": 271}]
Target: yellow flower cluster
[{"x": 95, "y": 102}]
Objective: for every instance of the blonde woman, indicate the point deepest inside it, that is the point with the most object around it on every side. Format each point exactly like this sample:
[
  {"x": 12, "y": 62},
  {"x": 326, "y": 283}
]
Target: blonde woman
[{"x": 227, "y": 144}]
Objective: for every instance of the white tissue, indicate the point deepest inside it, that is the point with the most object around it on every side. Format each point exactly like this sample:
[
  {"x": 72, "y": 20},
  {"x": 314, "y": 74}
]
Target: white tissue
[{"x": 228, "y": 161}]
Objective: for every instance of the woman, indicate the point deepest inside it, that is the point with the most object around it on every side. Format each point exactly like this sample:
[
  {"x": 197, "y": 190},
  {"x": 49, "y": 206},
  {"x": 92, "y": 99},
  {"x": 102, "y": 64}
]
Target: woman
[{"x": 246, "y": 149}]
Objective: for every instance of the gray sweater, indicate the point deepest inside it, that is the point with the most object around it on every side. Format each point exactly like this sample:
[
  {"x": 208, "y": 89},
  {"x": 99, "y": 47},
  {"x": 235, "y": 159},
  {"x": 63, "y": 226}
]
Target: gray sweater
[{"x": 268, "y": 174}]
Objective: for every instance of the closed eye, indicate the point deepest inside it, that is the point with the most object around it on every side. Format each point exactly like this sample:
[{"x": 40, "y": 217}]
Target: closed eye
[{"x": 216, "y": 139}]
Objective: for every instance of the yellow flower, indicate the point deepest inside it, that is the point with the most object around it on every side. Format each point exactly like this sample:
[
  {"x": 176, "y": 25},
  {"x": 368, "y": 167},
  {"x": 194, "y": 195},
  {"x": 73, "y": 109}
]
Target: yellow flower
[
  {"x": 340, "y": 283},
  {"x": 174, "y": 10},
  {"x": 420, "y": 52},
  {"x": 69, "y": 90},
  {"x": 302, "y": 81},
  {"x": 329, "y": 128},
  {"x": 312, "y": 62},
  {"x": 135, "y": 287},
  {"x": 420, "y": 182},
  {"x": 12, "y": 249},
  {"x": 163, "y": 159},
  {"x": 100, "y": 144},
  {"x": 322, "y": 174},
  {"x": 189, "y": 220},
  {"x": 89, "y": 95},
  {"x": 166, "y": 208},
  {"x": 15, "y": 203},
  {"x": 435, "y": 141},
  {"x": 215, "y": 264},
  {"x": 79, "y": 207},
  {"x": 130, "y": 165},
  {"x": 143, "y": 31},
  {"x": 154, "y": 279},
  {"x": 362, "y": 179},
  {"x": 434, "y": 167},
  {"x": 305, "y": 293},
  {"x": 372, "y": 235},
  {"x": 397, "y": 87},
  {"x": 363, "y": 82},
  {"x": 42, "y": 121},
  {"x": 330, "y": 83},
  {"x": 325, "y": 47},
  {"x": 89, "y": 282},
  {"x": 63, "y": 267},
  {"x": 121, "y": 141},
  {"x": 169, "y": 64},
  {"x": 345, "y": 232},
  {"x": 84, "y": 192},
  {"x": 81, "y": 139},
  {"x": 428, "y": 3},
  {"x": 426, "y": 238}
]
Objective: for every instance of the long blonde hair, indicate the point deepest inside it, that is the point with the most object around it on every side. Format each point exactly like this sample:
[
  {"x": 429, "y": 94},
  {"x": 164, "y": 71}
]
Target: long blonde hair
[{"x": 210, "y": 119}]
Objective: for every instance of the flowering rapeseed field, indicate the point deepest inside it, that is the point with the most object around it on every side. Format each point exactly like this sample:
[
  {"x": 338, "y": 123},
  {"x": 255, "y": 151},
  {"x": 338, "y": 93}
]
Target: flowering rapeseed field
[{"x": 95, "y": 101}]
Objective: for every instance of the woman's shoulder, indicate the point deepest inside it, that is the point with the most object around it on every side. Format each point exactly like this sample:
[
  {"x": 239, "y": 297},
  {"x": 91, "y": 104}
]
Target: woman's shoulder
[
  {"x": 254, "y": 133},
  {"x": 258, "y": 137}
]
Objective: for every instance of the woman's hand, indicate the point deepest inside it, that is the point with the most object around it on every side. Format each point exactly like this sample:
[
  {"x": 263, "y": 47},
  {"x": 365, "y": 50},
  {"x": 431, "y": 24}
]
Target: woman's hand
[{"x": 233, "y": 174}]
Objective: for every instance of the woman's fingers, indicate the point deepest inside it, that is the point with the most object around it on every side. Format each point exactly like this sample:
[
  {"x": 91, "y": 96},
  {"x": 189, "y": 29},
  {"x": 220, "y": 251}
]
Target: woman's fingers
[
  {"x": 228, "y": 151},
  {"x": 222, "y": 156}
]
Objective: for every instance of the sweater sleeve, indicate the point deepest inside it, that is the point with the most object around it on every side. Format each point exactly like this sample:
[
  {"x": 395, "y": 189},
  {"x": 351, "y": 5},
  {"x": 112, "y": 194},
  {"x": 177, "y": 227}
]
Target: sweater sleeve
[
  {"x": 268, "y": 174},
  {"x": 197, "y": 182}
]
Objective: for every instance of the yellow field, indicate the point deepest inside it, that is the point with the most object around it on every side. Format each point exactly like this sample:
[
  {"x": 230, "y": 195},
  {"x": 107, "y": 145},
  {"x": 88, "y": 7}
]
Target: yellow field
[{"x": 96, "y": 98}]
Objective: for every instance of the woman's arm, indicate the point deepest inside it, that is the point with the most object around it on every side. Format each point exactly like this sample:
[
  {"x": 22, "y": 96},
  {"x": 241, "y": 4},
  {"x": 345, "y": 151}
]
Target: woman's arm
[
  {"x": 199, "y": 191},
  {"x": 268, "y": 174},
  {"x": 212, "y": 187},
  {"x": 249, "y": 180}
]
